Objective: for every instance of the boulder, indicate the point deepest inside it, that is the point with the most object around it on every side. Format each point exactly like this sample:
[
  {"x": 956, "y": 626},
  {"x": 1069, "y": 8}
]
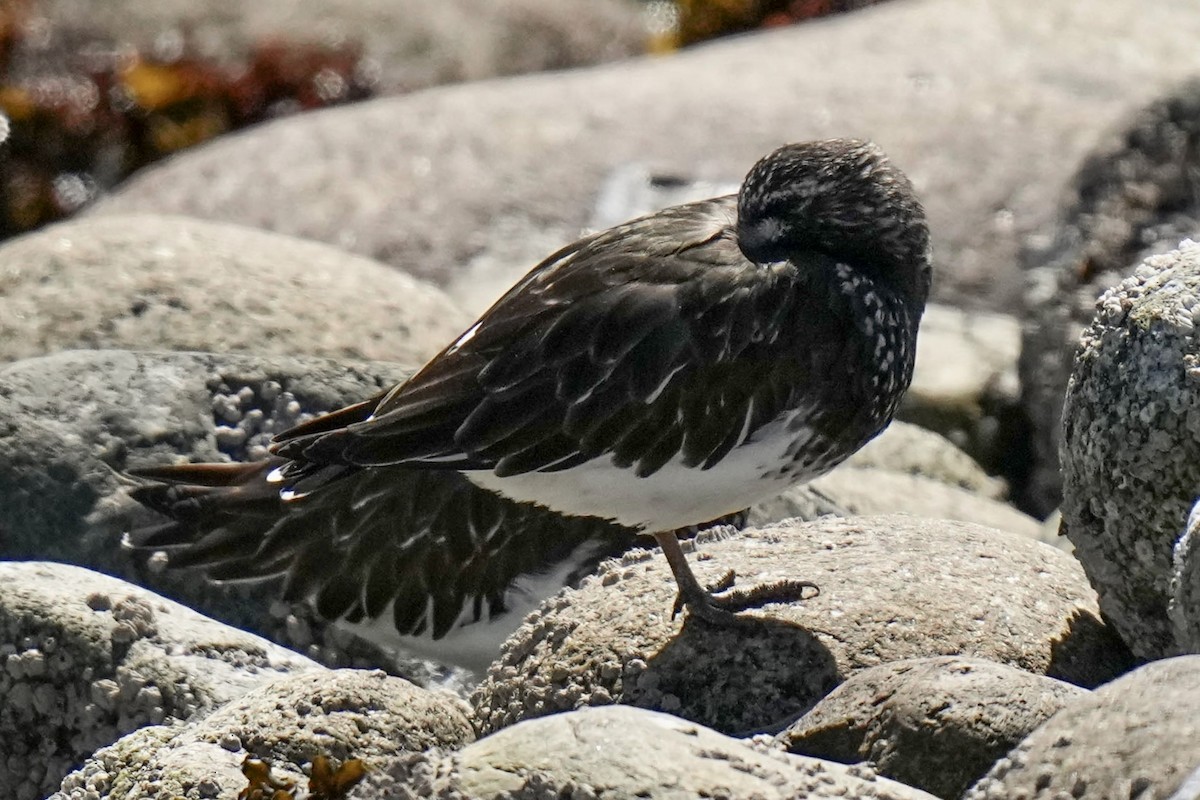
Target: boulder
[
  {"x": 1134, "y": 737},
  {"x": 620, "y": 752},
  {"x": 337, "y": 714},
  {"x": 891, "y": 587},
  {"x": 1130, "y": 447},
  {"x": 151, "y": 282},
  {"x": 935, "y": 723},
  {"x": 408, "y": 44},
  {"x": 88, "y": 658},
  {"x": 1133, "y": 196},
  {"x": 472, "y": 185}
]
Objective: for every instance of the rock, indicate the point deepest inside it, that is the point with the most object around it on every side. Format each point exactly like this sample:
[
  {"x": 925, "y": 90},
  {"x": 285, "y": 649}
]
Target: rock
[
  {"x": 173, "y": 283},
  {"x": 620, "y": 752},
  {"x": 1135, "y": 737},
  {"x": 891, "y": 587},
  {"x": 965, "y": 385},
  {"x": 471, "y": 185},
  {"x": 411, "y": 44},
  {"x": 1184, "y": 608},
  {"x": 907, "y": 470},
  {"x": 88, "y": 658},
  {"x": 340, "y": 714},
  {"x": 74, "y": 422},
  {"x": 1131, "y": 453},
  {"x": 912, "y": 450},
  {"x": 935, "y": 723},
  {"x": 1133, "y": 196},
  {"x": 876, "y": 491}
]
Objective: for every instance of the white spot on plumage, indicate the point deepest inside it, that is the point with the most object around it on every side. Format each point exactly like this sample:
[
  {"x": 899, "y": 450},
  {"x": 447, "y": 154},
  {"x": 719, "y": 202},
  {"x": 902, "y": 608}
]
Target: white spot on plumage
[{"x": 466, "y": 336}]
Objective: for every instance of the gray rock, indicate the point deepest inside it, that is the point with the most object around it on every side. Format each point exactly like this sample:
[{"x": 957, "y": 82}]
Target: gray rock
[
  {"x": 891, "y": 587},
  {"x": 1184, "y": 608},
  {"x": 471, "y": 185},
  {"x": 877, "y": 491},
  {"x": 965, "y": 384},
  {"x": 410, "y": 43},
  {"x": 339, "y": 714},
  {"x": 1135, "y": 737},
  {"x": 73, "y": 422},
  {"x": 174, "y": 283},
  {"x": 88, "y": 658},
  {"x": 913, "y": 450},
  {"x": 621, "y": 752},
  {"x": 935, "y": 723},
  {"x": 907, "y": 470},
  {"x": 1131, "y": 456},
  {"x": 1134, "y": 196}
]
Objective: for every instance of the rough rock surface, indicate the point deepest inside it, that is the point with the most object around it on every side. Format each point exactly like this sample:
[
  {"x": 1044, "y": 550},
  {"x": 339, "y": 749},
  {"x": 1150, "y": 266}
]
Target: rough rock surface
[
  {"x": 88, "y": 658},
  {"x": 1133, "y": 196},
  {"x": 1184, "y": 607},
  {"x": 1131, "y": 444},
  {"x": 173, "y": 283},
  {"x": 79, "y": 419},
  {"x": 71, "y": 423},
  {"x": 340, "y": 714},
  {"x": 413, "y": 43},
  {"x": 620, "y": 752},
  {"x": 1138, "y": 736},
  {"x": 935, "y": 723},
  {"x": 892, "y": 587},
  {"x": 471, "y": 185}
]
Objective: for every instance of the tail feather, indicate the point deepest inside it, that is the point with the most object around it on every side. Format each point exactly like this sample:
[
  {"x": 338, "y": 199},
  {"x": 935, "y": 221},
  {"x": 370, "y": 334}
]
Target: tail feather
[{"x": 428, "y": 543}]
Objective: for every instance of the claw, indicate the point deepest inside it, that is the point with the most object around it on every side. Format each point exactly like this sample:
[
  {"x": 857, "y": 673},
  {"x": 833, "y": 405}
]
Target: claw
[{"x": 722, "y": 584}]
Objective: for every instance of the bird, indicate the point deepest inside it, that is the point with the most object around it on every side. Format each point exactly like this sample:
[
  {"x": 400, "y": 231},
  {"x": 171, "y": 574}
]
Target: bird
[{"x": 643, "y": 380}]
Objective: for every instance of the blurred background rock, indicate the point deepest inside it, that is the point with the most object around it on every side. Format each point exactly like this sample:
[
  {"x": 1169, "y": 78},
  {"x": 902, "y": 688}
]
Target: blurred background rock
[{"x": 96, "y": 89}]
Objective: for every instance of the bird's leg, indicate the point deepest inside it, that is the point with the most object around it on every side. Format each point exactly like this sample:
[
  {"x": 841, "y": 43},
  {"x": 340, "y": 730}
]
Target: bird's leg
[
  {"x": 721, "y": 610},
  {"x": 699, "y": 601}
]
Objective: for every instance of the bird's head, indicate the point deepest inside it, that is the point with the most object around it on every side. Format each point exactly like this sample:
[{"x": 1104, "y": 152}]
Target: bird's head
[{"x": 841, "y": 198}]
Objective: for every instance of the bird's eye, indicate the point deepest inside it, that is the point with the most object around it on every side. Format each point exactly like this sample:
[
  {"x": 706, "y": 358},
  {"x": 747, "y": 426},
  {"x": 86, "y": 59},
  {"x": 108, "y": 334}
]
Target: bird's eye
[{"x": 763, "y": 241}]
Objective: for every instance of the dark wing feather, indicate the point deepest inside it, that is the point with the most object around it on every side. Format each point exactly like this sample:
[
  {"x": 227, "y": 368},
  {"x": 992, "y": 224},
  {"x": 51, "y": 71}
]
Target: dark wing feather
[
  {"x": 367, "y": 539},
  {"x": 649, "y": 339}
]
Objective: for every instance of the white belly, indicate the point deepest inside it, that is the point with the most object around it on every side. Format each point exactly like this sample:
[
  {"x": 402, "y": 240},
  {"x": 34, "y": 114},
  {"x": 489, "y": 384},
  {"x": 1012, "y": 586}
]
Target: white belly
[{"x": 674, "y": 497}]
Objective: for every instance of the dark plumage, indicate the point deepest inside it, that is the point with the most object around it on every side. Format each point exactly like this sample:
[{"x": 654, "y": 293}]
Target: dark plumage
[{"x": 653, "y": 376}]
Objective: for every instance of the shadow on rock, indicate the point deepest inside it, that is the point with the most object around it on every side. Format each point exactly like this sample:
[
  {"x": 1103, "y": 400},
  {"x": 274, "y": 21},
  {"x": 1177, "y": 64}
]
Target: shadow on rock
[
  {"x": 1074, "y": 656},
  {"x": 742, "y": 680}
]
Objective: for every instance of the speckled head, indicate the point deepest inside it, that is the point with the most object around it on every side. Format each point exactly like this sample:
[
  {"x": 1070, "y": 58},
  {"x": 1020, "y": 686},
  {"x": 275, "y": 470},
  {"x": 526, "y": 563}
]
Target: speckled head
[{"x": 842, "y": 198}]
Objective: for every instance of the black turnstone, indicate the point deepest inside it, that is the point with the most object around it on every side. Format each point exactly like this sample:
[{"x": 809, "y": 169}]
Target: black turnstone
[{"x": 658, "y": 375}]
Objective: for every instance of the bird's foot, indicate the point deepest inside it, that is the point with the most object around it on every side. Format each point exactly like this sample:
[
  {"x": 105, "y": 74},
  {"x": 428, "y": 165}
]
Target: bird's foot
[{"x": 720, "y": 603}]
